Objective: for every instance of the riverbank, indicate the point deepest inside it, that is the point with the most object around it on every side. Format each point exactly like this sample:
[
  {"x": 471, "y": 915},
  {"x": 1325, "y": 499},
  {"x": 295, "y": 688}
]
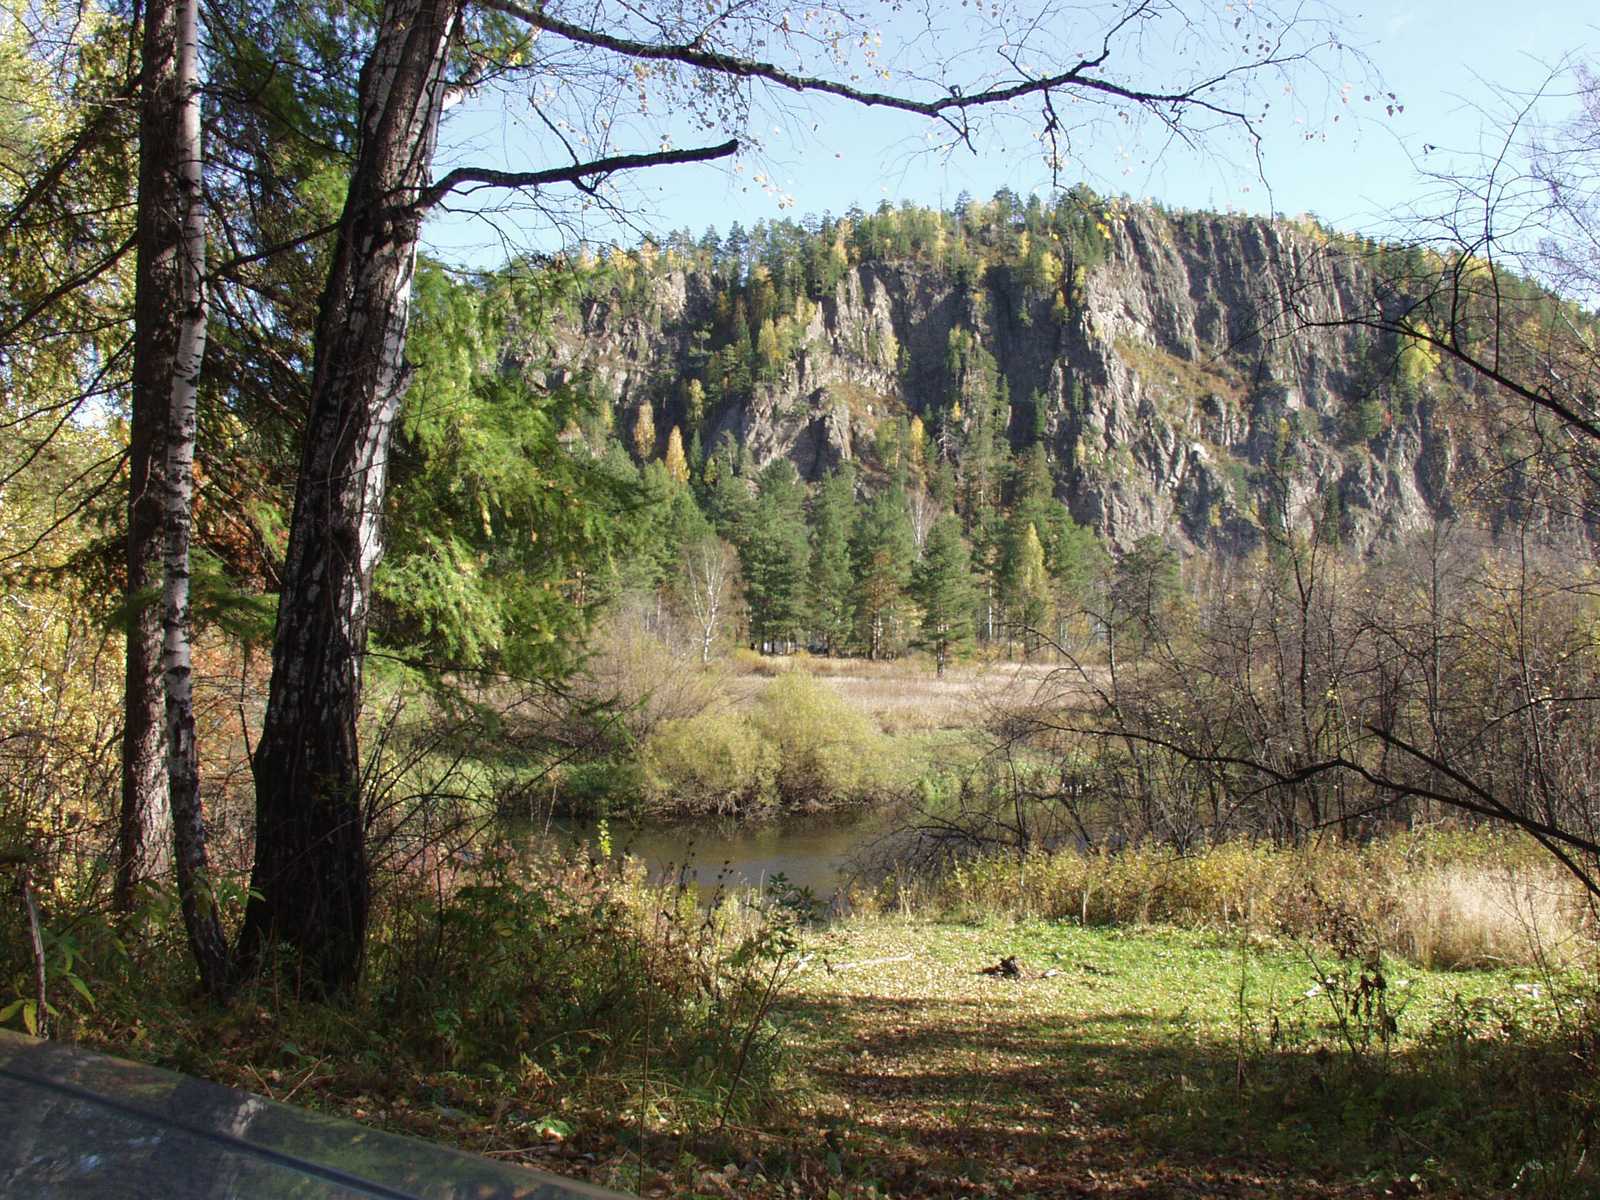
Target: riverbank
[{"x": 755, "y": 737}]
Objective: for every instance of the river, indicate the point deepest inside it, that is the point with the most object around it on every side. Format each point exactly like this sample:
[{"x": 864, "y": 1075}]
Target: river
[{"x": 823, "y": 852}]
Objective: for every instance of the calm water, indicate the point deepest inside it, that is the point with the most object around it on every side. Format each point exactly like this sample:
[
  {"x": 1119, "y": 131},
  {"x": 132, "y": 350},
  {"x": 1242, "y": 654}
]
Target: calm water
[{"x": 821, "y": 852}]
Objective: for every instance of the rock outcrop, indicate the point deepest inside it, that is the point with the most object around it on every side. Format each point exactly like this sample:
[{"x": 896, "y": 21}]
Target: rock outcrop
[{"x": 1173, "y": 397}]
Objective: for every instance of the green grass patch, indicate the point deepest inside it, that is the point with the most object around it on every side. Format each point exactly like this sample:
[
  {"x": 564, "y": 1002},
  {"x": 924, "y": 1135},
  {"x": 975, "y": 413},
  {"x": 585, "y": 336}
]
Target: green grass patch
[{"x": 1187, "y": 1062}]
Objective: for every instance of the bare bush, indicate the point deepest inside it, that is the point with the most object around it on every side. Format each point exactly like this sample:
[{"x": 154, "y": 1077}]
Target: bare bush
[{"x": 645, "y": 673}]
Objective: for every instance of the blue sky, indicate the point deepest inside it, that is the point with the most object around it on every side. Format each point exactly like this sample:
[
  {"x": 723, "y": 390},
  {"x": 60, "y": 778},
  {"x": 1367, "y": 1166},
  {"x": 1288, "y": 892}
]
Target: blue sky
[{"x": 1445, "y": 62}]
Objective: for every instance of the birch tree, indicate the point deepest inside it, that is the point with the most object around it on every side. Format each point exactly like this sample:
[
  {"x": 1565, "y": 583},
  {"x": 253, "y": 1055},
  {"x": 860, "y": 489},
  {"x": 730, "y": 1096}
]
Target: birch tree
[
  {"x": 309, "y": 886},
  {"x": 169, "y": 345},
  {"x": 708, "y": 584}
]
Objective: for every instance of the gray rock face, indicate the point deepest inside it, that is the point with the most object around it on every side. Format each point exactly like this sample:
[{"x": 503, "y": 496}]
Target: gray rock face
[{"x": 1173, "y": 403}]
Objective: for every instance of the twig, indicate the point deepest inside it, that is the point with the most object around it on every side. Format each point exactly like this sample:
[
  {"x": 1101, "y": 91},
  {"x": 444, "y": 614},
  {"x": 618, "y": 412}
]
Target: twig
[
  {"x": 778, "y": 976},
  {"x": 42, "y": 1024},
  {"x": 304, "y": 1079},
  {"x": 265, "y": 1087}
]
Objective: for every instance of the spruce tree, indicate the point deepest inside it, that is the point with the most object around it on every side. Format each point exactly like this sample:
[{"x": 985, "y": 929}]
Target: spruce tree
[
  {"x": 775, "y": 555},
  {"x": 942, "y": 585},
  {"x": 1145, "y": 590},
  {"x": 727, "y": 495},
  {"x": 881, "y": 554},
  {"x": 833, "y": 517},
  {"x": 697, "y": 455},
  {"x": 1075, "y": 559}
]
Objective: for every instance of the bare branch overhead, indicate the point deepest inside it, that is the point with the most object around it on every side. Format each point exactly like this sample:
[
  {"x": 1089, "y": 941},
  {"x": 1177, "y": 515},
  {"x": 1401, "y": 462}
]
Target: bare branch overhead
[{"x": 584, "y": 175}]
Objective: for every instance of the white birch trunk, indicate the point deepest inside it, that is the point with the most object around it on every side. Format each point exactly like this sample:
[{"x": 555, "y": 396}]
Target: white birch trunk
[
  {"x": 708, "y": 567},
  {"x": 183, "y": 754}
]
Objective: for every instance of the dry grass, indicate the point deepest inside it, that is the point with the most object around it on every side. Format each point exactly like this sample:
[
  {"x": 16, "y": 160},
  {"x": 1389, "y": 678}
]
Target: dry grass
[
  {"x": 1446, "y": 900},
  {"x": 907, "y": 695},
  {"x": 1474, "y": 916}
]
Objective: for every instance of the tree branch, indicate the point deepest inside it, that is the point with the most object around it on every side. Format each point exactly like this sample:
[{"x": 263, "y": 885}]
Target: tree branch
[
  {"x": 1478, "y": 801},
  {"x": 1451, "y": 347},
  {"x": 65, "y": 287},
  {"x": 578, "y": 174},
  {"x": 693, "y": 54},
  {"x": 230, "y": 267}
]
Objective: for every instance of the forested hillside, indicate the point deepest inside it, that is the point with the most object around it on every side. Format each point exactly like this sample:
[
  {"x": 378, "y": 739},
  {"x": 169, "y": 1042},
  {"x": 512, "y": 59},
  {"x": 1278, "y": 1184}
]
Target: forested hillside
[
  {"x": 1193, "y": 377},
  {"x": 981, "y": 428}
]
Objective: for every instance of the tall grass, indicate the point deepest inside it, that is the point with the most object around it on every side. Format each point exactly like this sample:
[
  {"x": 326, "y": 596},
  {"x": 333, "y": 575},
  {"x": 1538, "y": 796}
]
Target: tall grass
[{"x": 1443, "y": 899}]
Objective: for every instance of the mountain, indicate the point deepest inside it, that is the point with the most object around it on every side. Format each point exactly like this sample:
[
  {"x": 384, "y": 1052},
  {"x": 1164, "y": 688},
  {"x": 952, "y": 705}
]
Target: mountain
[{"x": 1148, "y": 351}]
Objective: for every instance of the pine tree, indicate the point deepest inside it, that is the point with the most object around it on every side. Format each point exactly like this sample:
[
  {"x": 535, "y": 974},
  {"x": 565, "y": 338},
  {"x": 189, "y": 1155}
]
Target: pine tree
[
  {"x": 942, "y": 585},
  {"x": 881, "y": 554},
  {"x": 1039, "y": 415}
]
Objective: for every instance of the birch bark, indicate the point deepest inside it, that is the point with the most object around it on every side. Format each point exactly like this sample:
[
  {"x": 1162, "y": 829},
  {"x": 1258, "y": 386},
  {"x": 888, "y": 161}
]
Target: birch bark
[
  {"x": 310, "y": 882},
  {"x": 169, "y": 343},
  {"x": 182, "y": 151}
]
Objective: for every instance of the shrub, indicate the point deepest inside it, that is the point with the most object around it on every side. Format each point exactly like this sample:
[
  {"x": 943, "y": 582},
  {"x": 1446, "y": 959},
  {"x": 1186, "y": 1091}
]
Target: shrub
[
  {"x": 746, "y": 661},
  {"x": 640, "y": 680},
  {"x": 827, "y": 749},
  {"x": 581, "y": 971},
  {"x": 713, "y": 763},
  {"x": 601, "y": 788}
]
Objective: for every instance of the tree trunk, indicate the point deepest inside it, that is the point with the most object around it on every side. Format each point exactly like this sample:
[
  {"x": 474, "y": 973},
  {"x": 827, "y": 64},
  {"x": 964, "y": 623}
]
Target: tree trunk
[
  {"x": 181, "y": 154},
  {"x": 144, "y": 830},
  {"x": 310, "y": 886},
  {"x": 144, "y": 824}
]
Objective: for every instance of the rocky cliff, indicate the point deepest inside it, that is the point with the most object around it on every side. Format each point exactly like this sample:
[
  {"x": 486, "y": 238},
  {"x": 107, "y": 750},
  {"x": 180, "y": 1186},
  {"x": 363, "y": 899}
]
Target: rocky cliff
[{"x": 1169, "y": 393}]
